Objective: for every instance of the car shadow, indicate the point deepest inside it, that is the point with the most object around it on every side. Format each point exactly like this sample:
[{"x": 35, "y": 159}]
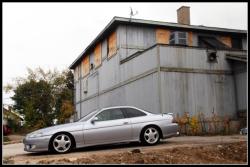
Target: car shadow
[{"x": 100, "y": 148}]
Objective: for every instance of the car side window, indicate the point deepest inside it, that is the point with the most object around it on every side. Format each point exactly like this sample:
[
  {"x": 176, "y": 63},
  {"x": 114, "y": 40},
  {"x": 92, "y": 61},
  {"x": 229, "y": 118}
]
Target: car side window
[
  {"x": 110, "y": 114},
  {"x": 131, "y": 112}
]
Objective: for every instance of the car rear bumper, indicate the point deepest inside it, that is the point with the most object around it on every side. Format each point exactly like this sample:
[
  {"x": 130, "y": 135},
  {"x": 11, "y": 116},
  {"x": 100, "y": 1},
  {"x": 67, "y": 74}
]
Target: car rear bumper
[
  {"x": 36, "y": 144},
  {"x": 170, "y": 130}
]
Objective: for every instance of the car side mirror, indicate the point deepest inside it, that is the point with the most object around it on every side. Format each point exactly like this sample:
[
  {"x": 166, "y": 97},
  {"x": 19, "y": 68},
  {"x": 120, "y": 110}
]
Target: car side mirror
[{"x": 94, "y": 120}]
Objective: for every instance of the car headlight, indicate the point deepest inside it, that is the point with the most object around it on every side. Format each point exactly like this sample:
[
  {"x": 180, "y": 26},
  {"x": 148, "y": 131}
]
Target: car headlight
[{"x": 33, "y": 135}]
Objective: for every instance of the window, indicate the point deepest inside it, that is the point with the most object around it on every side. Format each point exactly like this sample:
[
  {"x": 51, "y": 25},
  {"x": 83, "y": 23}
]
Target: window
[
  {"x": 162, "y": 36},
  {"x": 112, "y": 45},
  {"x": 98, "y": 55},
  {"x": 131, "y": 112},
  {"x": 110, "y": 114},
  {"x": 85, "y": 66},
  {"x": 178, "y": 38}
]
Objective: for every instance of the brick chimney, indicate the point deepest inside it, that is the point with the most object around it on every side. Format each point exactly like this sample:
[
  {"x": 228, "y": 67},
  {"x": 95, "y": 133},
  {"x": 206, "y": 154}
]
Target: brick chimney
[{"x": 183, "y": 15}]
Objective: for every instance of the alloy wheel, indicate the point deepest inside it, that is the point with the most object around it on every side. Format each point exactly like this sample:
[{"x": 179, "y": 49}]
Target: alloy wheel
[
  {"x": 151, "y": 135},
  {"x": 62, "y": 143}
]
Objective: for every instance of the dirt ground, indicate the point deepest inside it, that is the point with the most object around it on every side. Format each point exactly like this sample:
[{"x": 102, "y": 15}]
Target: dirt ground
[
  {"x": 14, "y": 138},
  {"x": 177, "y": 150}
]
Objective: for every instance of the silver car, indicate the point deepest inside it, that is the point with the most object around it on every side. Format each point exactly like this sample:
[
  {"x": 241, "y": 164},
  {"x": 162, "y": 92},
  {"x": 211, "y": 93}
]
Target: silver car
[{"x": 106, "y": 126}]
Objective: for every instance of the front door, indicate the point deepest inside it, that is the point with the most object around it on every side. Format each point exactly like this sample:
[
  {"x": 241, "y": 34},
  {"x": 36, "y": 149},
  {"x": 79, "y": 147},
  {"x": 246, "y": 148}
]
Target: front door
[{"x": 111, "y": 127}]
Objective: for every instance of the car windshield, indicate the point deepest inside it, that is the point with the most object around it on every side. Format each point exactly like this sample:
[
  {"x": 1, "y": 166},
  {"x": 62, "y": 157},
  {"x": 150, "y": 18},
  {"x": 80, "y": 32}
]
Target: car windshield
[{"x": 88, "y": 116}]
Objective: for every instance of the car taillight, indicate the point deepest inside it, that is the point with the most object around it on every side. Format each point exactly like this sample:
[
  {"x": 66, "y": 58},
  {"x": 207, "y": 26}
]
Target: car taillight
[{"x": 173, "y": 120}]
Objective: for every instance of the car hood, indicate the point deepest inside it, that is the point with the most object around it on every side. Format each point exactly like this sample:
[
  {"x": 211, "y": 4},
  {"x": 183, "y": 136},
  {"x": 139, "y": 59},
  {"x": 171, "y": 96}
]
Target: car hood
[{"x": 69, "y": 127}]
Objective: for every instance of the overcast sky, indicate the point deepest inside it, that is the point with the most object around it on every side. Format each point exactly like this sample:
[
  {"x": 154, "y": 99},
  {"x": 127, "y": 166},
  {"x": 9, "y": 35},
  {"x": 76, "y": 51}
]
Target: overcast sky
[{"x": 52, "y": 35}]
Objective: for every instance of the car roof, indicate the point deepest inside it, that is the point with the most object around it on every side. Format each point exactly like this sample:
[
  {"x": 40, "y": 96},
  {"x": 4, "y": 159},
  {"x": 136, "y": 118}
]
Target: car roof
[{"x": 120, "y": 107}]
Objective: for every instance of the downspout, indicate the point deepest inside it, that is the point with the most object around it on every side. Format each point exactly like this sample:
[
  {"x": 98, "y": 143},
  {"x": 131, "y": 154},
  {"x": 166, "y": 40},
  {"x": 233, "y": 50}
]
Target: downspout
[{"x": 159, "y": 77}]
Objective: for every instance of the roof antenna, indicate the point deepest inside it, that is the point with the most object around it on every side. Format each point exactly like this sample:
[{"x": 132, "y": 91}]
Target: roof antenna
[{"x": 132, "y": 13}]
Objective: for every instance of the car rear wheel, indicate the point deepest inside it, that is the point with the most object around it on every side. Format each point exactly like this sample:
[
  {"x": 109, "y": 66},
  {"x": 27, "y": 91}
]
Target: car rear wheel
[
  {"x": 150, "y": 136},
  {"x": 62, "y": 143}
]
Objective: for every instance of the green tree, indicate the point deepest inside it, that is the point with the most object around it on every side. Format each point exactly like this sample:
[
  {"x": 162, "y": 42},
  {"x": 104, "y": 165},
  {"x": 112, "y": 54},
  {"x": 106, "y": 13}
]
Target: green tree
[
  {"x": 43, "y": 96},
  {"x": 35, "y": 101},
  {"x": 64, "y": 96}
]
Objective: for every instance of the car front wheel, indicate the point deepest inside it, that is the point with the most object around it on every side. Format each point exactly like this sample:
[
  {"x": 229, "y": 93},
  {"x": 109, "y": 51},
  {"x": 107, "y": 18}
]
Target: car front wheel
[{"x": 61, "y": 143}]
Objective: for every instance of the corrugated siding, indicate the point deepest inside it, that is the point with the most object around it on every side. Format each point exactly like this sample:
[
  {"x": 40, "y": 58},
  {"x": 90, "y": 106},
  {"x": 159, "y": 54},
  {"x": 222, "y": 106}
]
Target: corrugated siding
[
  {"x": 191, "y": 58},
  {"x": 194, "y": 93},
  {"x": 241, "y": 86},
  {"x": 89, "y": 106},
  {"x": 244, "y": 44},
  {"x": 181, "y": 92},
  {"x": 134, "y": 38},
  {"x": 138, "y": 65},
  {"x": 141, "y": 93}
]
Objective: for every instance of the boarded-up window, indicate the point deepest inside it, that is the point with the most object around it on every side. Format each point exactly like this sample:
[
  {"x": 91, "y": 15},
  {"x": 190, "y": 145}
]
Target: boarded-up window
[
  {"x": 85, "y": 67},
  {"x": 98, "y": 55},
  {"x": 112, "y": 45},
  {"x": 190, "y": 38},
  {"x": 226, "y": 40},
  {"x": 162, "y": 36}
]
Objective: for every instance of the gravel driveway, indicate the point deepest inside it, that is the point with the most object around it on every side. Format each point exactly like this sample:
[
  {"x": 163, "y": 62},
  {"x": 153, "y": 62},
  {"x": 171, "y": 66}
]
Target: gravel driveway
[{"x": 13, "y": 149}]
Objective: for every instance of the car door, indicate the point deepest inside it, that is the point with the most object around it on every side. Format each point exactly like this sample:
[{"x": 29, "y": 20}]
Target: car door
[
  {"x": 137, "y": 119},
  {"x": 111, "y": 127}
]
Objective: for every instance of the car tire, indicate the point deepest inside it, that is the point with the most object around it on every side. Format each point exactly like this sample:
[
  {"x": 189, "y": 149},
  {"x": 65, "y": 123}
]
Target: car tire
[
  {"x": 61, "y": 143},
  {"x": 150, "y": 135}
]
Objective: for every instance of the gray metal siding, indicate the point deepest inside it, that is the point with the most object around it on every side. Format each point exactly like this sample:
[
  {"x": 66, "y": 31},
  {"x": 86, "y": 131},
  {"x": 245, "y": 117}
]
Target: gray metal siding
[
  {"x": 138, "y": 65},
  {"x": 244, "y": 44},
  {"x": 241, "y": 86},
  {"x": 77, "y": 91},
  {"x": 135, "y": 82},
  {"x": 194, "y": 93},
  {"x": 104, "y": 49},
  {"x": 89, "y": 106},
  {"x": 191, "y": 58},
  {"x": 109, "y": 73},
  {"x": 141, "y": 93},
  {"x": 240, "y": 73},
  {"x": 78, "y": 112},
  {"x": 134, "y": 38}
]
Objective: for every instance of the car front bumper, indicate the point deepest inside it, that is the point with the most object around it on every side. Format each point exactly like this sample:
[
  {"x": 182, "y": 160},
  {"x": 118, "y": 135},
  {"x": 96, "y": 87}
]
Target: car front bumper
[{"x": 36, "y": 144}]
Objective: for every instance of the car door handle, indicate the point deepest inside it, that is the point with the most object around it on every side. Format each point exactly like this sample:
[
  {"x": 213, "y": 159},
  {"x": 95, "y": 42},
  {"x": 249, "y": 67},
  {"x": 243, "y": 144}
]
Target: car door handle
[{"x": 125, "y": 122}]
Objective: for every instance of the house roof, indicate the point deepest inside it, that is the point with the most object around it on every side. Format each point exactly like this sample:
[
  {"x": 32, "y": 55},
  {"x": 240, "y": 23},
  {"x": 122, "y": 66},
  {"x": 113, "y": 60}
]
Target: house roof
[{"x": 121, "y": 20}]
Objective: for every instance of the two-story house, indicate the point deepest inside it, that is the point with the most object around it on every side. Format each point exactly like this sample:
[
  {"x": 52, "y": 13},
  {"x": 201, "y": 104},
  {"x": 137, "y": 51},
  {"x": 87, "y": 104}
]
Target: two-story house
[{"x": 163, "y": 67}]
